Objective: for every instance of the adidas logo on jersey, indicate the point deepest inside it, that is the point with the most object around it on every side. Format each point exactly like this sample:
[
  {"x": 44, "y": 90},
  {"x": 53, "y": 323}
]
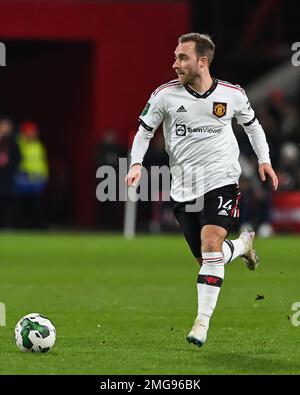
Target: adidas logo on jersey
[
  {"x": 181, "y": 109},
  {"x": 223, "y": 212}
]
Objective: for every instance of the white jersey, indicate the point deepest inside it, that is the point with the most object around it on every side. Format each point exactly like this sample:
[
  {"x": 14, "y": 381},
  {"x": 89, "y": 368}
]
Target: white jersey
[{"x": 199, "y": 139}]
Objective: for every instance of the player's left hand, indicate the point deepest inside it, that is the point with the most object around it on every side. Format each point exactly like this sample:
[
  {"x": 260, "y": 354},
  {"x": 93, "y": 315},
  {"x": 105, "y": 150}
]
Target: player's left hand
[{"x": 266, "y": 169}]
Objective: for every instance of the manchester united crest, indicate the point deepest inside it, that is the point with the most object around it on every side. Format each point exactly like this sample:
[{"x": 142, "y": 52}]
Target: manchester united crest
[{"x": 219, "y": 109}]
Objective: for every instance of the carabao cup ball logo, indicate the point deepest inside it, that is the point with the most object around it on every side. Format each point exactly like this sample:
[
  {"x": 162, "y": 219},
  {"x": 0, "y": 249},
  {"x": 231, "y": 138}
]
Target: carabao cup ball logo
[
  {"x": 146, "y": 109},
  {"x": 35, "y": 332}
]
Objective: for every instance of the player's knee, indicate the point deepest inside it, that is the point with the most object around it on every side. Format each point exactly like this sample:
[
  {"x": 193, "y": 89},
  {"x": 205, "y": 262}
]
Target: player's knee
[{"x": 211, "y": 244}]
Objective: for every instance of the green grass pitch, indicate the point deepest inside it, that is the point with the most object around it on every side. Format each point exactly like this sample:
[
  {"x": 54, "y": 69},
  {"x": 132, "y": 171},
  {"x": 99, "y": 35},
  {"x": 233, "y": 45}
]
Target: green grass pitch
[{"x": 125, "y": 307}]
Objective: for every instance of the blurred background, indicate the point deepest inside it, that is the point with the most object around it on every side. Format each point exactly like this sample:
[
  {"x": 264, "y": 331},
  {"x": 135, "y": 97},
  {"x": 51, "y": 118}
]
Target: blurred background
[{"x": 78, "y": 75}]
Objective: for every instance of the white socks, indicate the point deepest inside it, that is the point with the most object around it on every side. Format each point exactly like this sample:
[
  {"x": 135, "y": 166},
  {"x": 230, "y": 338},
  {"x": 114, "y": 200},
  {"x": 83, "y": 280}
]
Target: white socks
[
  {"x": 232, "y": 249},
  {"x": 210, "y": 279}
]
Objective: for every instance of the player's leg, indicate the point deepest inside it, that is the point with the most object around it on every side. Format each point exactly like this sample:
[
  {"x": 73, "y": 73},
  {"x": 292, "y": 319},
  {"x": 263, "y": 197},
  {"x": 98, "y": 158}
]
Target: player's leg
[
  {"x": 190, "y": 224},
  {"x": 228, "y": 205},
  {"x": 212, "y": 272},
  {"x": 221, "y": 208},
  {"x": 210, "y": 279},
  {"x": 232, "y": 249},
  {"x": 240, "y": 247}
]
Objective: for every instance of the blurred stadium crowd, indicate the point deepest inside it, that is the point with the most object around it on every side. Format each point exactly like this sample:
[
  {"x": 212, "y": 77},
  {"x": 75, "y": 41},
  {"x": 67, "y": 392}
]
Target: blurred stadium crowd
[
  {"x": 279, "y": 116},
  {"x": 24, "y": 174}
]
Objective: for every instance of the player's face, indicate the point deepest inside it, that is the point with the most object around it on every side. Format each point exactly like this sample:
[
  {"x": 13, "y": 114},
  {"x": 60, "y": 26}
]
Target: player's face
[{"x": 187, "y": 65}]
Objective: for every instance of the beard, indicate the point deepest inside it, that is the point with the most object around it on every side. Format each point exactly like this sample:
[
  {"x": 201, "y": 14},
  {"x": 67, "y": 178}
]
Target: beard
[{"x": 188, "y": 78}]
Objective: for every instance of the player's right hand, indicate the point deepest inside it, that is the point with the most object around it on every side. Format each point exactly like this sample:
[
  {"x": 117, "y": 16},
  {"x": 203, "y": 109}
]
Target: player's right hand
[
  {"x": 134, "y": 175},
  {"x": 266, "y": 169}
]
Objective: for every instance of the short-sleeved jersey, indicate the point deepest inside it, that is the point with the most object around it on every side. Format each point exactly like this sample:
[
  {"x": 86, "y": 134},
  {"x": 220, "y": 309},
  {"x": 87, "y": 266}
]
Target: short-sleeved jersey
[{"x": 199, "y": 139}]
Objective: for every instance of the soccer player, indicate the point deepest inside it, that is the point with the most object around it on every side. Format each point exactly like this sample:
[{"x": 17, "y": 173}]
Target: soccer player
[{"x": 196, "y": 111}]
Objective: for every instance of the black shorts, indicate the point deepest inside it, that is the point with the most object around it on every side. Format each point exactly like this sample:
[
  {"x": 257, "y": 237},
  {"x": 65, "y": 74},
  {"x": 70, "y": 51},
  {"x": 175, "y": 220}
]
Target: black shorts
[{"x": 217, "y": 207}]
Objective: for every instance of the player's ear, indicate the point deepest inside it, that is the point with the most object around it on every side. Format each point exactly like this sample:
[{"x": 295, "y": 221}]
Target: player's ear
[{"x": 203, "y": 61}]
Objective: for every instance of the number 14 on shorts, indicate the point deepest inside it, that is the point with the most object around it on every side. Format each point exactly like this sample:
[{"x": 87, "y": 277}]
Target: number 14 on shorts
[{"x": 227, "y": 205}]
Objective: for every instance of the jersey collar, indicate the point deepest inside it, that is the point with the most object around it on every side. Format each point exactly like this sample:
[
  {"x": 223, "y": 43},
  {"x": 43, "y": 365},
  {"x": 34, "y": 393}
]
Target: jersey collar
[{"x": 205, "y": 94}]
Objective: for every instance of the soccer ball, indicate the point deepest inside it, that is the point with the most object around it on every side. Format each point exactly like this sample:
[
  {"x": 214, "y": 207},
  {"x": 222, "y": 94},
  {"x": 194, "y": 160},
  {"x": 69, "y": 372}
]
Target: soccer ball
[{"x": 35, "y": 332}]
